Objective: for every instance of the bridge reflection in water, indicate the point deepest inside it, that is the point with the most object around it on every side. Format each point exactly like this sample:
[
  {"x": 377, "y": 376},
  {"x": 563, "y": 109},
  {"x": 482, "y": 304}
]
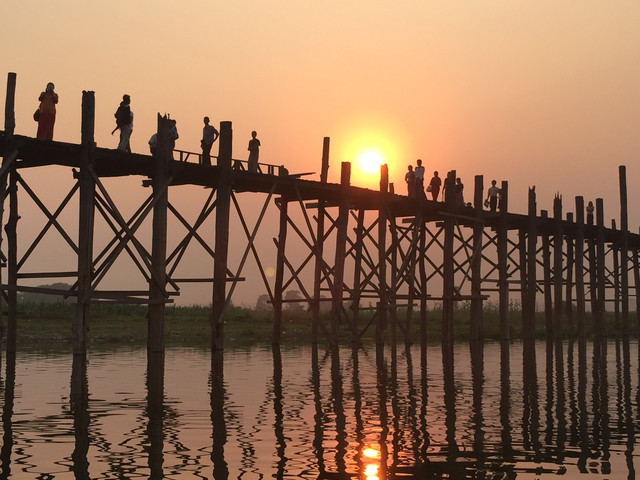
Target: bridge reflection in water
[{"x": 493, "y": 410}]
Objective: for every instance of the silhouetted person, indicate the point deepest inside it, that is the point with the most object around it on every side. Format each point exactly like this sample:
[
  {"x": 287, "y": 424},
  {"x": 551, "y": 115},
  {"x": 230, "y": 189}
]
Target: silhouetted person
[
  {"x": 419, "y": 171},
  {"x": 209, "y": 135},
  {"x": 173, "y": 135},
  {"x": 435, "y": 184},
  {"x": 124, "y": 122},
  {"x": 47, "y": 113},
  {"x": 492, "y": 195},
  {"x": 153, "y": 143},
  {"x": 590, "y": 210},
  {"x": 459, "y": 188},
  {"x": 254, "y": 152},
  {"x": 410, "y": 178}
]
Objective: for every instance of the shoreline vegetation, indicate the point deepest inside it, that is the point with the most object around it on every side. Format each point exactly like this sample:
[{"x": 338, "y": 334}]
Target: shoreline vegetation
[{"x": 48, "y": 326}]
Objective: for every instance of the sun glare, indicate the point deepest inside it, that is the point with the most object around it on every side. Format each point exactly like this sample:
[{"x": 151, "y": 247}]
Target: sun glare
[
  {"x": 368, "y": 141},
  {"x": 370, "y": 161}
]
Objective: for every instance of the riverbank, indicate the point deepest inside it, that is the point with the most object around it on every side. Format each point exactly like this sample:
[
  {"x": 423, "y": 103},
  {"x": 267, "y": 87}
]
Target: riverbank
[{"x": 49, "y": 325}]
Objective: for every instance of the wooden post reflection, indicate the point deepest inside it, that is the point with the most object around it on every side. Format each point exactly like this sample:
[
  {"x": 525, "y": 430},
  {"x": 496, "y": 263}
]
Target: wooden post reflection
[
  {"x": 601, "y": 434},
  {"x": 395, "y": 408},
  {"x": 424, "y": 390},
  {"x": 7, "y": 414},
  {"x": 318, "y": 413},
  {"x": 357, "y": 405},
  {"x": 337, "y": 392},
  {"x": 627, "y": 411},
  {"x": 505, "y": 401},
  {"x": 477, "y": 376},
  {"x": 155, "y": 411},
  {"x": 530, "y": 413},
  {"x": 413, "y": 406},
  {"x": 79, "y": 402},
  {"x": 548, "y": 407},
  {"x": 448, "y": 373},
  {"x": 278, "y": 424},
  {"x": 583, "y": 418},
  {"x": 218, "y": 425},
  {"x": 381, "y": 369},
  {"x": 561, "y": 434}
]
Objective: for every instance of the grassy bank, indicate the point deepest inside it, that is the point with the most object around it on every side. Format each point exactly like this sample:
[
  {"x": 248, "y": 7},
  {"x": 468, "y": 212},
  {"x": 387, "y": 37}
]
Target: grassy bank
[{"x": 49, "y": 325}]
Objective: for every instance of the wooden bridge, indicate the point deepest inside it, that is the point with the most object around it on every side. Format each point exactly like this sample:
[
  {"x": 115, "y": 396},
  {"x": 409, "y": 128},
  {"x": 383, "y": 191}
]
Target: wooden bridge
[{"x": 360, "y": 247}]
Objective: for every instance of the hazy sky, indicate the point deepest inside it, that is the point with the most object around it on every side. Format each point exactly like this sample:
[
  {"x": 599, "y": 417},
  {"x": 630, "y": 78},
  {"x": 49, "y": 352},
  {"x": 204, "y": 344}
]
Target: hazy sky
[{"x": 540, "y": 93}]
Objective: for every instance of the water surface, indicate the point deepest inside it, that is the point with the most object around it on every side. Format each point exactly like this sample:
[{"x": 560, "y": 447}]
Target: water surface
[{"x": 484, "y": 411}]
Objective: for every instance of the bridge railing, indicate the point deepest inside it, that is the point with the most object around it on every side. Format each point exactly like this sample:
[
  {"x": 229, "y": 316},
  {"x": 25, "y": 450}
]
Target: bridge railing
[{"x": 267, "y": 168}]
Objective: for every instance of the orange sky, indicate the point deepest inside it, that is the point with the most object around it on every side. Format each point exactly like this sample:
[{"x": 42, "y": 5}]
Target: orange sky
[{"x": 536, "y": 93}]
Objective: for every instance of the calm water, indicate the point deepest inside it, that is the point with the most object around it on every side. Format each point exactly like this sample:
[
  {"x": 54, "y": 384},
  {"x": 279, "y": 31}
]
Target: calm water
[{"x": 518, "y": 411}]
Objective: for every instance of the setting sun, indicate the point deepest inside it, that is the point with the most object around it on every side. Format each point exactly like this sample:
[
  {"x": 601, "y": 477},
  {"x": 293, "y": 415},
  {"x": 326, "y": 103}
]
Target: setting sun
[{"x": 370, "y": 161}]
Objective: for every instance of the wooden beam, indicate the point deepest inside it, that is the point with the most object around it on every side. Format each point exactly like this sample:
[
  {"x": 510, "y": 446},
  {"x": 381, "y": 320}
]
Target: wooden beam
[
  {"x": 601, "y": 325},
  {"x": 624, "y": 249},
  {"x": 223, "y": 203},
  {"x": 80, "y": 328},
  {"x": 532, "y": 248},
  {"x": 579, "y": 267},
  {"x": 476, "y": 262},
  {"x": 558, "y": 236},
  {"x": 157, "y": 288},
  {"x": 503, "y": 274},
  {"x": 381, "y": 317}
]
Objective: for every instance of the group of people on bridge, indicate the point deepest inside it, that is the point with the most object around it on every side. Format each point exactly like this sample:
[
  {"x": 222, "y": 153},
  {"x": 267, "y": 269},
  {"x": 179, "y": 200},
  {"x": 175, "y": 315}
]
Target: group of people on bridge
[
  {"x": 414, "y": 179},
  {"x": 45, "y": 116}
]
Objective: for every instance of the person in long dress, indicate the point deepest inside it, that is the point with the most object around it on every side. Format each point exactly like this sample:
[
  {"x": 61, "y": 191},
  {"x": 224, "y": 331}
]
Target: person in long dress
[{"x": 47, "y": 113}]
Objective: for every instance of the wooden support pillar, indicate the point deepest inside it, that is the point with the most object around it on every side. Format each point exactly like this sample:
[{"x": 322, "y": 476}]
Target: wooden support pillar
[
  {"x": 601, "y": 325},
  {"x": 476, "y": 263},
  {"x": 317, "y": 274},
  {"x": 381, "y": 318},
  {"x": 319, "y": 248},
  {"x": 524, "y": 293},
  {"x": 591, "y": 233},
  {"x": 615, "y": 252},
  {"x": 11, "y": 229},
  {"x": 532, "y": 265},
  {"x": 357, "y": 274},
  {"x": 624, "y": 249},
  {"x": 9, "y": 127},
  {"x": 422, "y": 255},
  {"x": 324, "y": 171},
  {"x": 9, "y": 106},
  {"x": 80, "y": 328},
  {"x": 448, "y": 267},
  {"x": 636, "y": 282},
  {"x": 579, "y": 266},
  {"x": 223, "y": 202},
  {"x": 157, "y": 285},
  {"x": 503, "y": 276},
  {"x": 411, "y": 278},
  {"x": 342, "y": 223},
  {"x": 557, "y": 266},
  {"x": 277, "y": 290},
  {"x": 546, "y": 266},
  {"x": 569, "y": 283},
  {"x": 393, "y": 231}
]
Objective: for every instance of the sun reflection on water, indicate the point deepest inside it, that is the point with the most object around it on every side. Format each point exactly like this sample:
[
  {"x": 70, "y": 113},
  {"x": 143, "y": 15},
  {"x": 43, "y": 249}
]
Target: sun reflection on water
[{"x": 371, "y": 469}]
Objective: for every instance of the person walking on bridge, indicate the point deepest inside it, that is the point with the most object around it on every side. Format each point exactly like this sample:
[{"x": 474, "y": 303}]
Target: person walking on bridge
[
  {"x": 209, "y": 135},
  {"x": 47, "y": 113},
  {"x": 254, "y": 151},
  {"x": 492, "y": 195},
  {"x": 124, "y": 122},
  {"x": 419, "y": 171},
  {"x": 435, "y": 184}
]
